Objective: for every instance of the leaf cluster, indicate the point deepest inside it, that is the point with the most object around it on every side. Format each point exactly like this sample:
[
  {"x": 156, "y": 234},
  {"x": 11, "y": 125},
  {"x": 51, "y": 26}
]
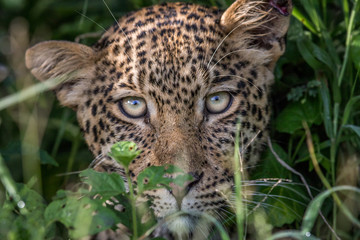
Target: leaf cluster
[{"x": 103, "y": 201}]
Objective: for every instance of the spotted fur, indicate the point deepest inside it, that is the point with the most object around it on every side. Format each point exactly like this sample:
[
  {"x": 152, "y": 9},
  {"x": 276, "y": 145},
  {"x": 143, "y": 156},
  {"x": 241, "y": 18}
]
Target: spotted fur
[{"x": 174, "y": 55}]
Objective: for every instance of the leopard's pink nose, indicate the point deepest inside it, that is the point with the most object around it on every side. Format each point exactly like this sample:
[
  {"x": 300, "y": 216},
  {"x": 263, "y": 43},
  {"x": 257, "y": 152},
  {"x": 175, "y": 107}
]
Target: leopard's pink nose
[{"x": 179, "y": 192}]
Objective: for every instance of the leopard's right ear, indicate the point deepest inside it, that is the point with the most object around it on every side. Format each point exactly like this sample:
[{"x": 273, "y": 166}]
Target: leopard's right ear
[
  {"x": 74, "y": 62},
  {"x": 262, "y": 24}
]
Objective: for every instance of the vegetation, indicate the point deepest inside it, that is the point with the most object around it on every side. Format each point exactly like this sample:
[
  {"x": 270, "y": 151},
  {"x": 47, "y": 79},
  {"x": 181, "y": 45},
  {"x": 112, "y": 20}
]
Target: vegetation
[{"x": 315, "y": 131}]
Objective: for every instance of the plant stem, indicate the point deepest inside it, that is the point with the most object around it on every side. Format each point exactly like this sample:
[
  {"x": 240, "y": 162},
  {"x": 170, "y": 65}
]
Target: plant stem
[
  {"x": 10, "y": 186},
  {"x": 324, "y": 180},
  {"x": 73, "y": 152},
  {"x": 60, "y": 133},
  {"x": 345, "y": 5},
  {"x": 333, "y": 179},
  {"x": 133, "y": 204},
  {"x": 7, "y": 180},
  {"x": 239, "y": 208},
  {"x": 348, "y": 41},
  {"x": 292, "y": 158}
]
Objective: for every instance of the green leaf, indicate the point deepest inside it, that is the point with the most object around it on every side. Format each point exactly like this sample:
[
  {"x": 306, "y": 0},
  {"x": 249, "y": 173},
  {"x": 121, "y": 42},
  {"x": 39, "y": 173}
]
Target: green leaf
[
  {"x": 105, "y": 184},
  {"x": 356, "y": 129},
  {"x": 270, "y": 167},
  {"x": 287, "y": 201},
  {"x": 301, "y": 17},
  {"x": 154, "y": 177},
  {"x": 125, "y": 213},
  {"x": 349, "y": 109},
  {"x": 292, "y": 234},
  {"x": 314, "y": 55},
  {"x": 290, "y": 119},
  {"x": 313, "y": 209},
  {"x": 355, "y": 51},
  {"x": 82, "y": 216},
  {"x": 306, "y": 50},
  {"x": 25, "y": 219},
  {"x": 145, "y": 217},
  {"x": 124, "y": 152},
  {"x": 326, "y": 101},
  {"x": 45, "y": 158}
]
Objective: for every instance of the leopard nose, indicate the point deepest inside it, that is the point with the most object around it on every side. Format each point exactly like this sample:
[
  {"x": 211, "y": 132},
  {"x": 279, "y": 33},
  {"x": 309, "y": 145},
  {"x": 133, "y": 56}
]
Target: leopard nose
[{"x": 179, "y": 192}]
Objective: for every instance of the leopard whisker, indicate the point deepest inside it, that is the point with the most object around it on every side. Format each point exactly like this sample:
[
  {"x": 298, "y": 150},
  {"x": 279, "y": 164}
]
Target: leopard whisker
[
  {"x": 251, "y": 18},
  {"x": 286, "y": 185},
  {"x": 219, "y": 45},
  {"x": 277, "y": 198},
  {"x": 239, "y": 50},
  {"x": 242, "y": 78},
  {"x": 254, "y": 205},
  {"x": 122, "y": 30},
  {"x": 265, "y": 206},
  {"x": 226, "y": 214},
  {"x": 283, "y": 185},
  {"x": 68, "y": 173},
  {"x": 95, "y": 162},
  {"x": 91, "y": 20}
]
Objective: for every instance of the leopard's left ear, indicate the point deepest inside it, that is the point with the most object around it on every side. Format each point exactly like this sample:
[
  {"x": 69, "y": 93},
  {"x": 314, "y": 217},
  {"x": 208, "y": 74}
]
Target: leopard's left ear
[
  {"x": 261, "y": 24},
  {"x": 72, "y": 61}
]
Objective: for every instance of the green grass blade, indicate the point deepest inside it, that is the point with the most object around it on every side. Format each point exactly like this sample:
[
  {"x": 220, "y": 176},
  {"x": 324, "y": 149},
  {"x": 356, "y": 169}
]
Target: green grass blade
[
  {"x": 349, "y": 109},
  {"x": 60, "y": 133},
  {"x": 345, "y": 5},
  {"x": 312, "y": 211},
  {"x": 306, "y": 52},
  {"x": 291, "y": 234},
  {"x": 30, "y": 92},
  {"x": 299, "y": 16},
  {"x": 239, "y": 207},
  {"x": 356, "y": 129},
  {"x": 348, "y": 41},
  {"x": 311, "y": 8},
  {"x": 325, "y": 96},
  {"x": 7, "y": 180}
]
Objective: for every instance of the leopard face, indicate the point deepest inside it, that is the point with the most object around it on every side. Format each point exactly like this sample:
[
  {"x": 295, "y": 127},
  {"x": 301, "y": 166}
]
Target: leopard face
[{"x": 177, "y": 79}]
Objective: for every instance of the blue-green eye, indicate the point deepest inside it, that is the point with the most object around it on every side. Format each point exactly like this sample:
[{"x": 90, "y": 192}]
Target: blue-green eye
[
  {"x": 133, "y": 107},
  {"x": 218, "y": 102}
]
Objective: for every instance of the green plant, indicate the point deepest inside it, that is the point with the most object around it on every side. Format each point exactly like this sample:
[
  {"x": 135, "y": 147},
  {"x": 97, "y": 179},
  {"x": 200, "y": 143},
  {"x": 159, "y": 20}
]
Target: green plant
[
  {"x": 321, "y": 120},
  {"x": 83, "y": 212}
]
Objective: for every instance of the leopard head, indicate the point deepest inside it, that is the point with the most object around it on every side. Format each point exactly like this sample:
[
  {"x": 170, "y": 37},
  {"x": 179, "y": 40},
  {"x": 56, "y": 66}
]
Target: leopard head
[{"x": 177, "y": 79}]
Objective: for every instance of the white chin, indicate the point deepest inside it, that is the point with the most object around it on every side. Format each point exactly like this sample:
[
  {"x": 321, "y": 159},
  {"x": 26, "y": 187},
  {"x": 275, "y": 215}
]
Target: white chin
[{"x": 181, "y": 226}]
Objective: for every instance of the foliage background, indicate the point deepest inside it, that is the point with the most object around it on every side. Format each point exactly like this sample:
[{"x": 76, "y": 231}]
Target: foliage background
[{"x": 42, "y": 144}]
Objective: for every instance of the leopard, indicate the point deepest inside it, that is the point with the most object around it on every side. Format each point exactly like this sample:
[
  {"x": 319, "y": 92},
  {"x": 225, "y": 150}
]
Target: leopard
[{"x": 182, "y": 81}]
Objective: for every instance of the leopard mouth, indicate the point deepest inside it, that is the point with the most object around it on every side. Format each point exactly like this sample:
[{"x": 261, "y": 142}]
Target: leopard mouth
[{"x": 181, "y": 226}]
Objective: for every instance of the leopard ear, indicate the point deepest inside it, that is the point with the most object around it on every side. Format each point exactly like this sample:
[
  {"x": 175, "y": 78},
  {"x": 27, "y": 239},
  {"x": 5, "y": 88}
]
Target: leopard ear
[
  {"x": 261, "y": 23},
  {"x": 72, "y": 61}
]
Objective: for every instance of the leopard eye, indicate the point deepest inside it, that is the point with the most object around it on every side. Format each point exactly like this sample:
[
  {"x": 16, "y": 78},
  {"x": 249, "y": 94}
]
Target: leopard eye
[
  {"x": 219, "y": 102},
  {"x": 133, "y": 107}
]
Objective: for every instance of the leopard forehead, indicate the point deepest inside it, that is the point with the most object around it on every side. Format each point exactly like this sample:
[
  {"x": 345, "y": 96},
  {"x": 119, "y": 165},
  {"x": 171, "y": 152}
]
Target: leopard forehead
[
  {"x": 155, "y": 52},
  {"x": 172, "y": 53}
]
